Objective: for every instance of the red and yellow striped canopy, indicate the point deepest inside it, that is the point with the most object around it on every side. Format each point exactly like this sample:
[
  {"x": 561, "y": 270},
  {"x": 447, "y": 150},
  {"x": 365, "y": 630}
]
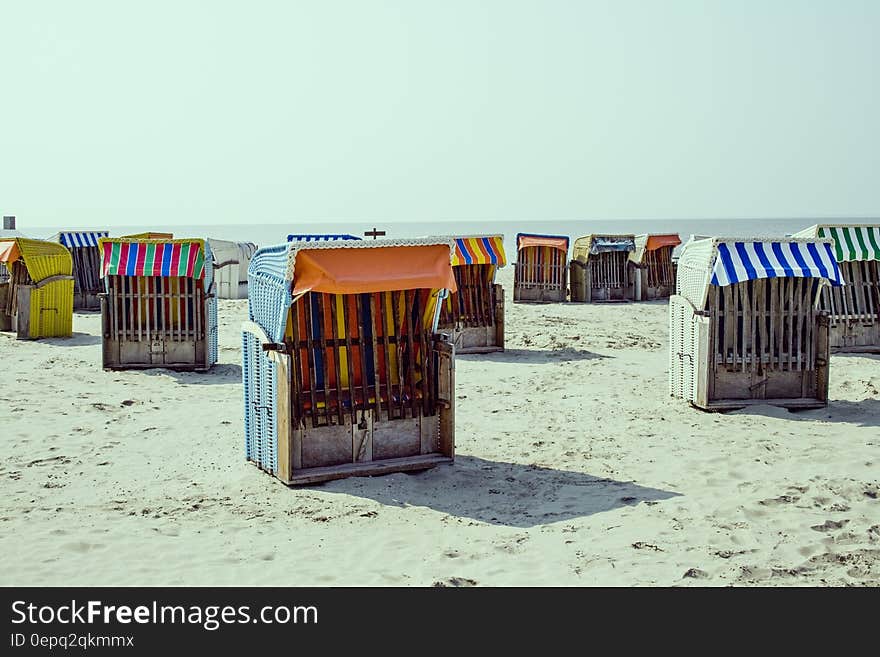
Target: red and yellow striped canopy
[{"x": 479, "y": 250}]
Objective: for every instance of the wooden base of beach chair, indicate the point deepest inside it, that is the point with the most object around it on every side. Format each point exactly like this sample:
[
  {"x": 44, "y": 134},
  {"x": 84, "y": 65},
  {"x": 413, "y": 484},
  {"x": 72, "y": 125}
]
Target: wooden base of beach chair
[
  {"x": 738, "y": 404},
  {"x": 854, "y": 308},
  {"x": 654, "y": 293},
  {"x": 538, "y": 295},
  {"x": 5, "y": 318},
  {"x": 602, "y": 280},
  {"x": 388, "y": 466},
  {"x": 857, "y": 337},
  {"x": 139, "y": 355},
  {"x": 477, "y": 340}
]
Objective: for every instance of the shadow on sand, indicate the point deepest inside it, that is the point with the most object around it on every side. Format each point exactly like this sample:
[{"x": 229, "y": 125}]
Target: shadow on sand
[
  {"x": 865, "y": 412},
  {"x": 533, "y": 356},
  {"x": 75, "y": 340},
  {"x": 223, "y": 374},
  {"x": 500, "y": 493}
]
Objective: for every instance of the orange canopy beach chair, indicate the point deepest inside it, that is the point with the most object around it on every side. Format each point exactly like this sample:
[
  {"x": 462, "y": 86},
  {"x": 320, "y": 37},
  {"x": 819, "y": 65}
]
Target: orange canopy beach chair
[
  {"x": 344, "y": 372},
  {"x": 652, "y": 266},
  {"x": 540, "y": 274}
]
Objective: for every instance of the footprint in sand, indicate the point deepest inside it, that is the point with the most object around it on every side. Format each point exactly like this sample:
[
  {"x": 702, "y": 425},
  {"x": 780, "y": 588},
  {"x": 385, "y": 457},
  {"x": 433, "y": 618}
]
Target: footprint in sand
[
  {"x": 455, "y": 581},
  {"x": 829, "y": 525},
  {"x": 782, "y": 499},
  {"x": 81, "y": 546}
]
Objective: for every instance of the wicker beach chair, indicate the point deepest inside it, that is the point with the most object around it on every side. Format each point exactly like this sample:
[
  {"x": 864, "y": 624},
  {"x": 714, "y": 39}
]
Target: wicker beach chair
[
  {"x": 653, "y": 267},
  {"x": 36, "y": 295},
  {"x": 231, "y": 260},
  {"x": 83, "y": 247},
  {"x": 159, "y": 308},
  {"x": 541, "y": 271},
  {"x": 744, "y": 326},
  {"x": 344, "y": 372},
  {"x": 474, "y": 314},
  {"x": 853, "y": 308},
  {"x": 601, "y": 270}
]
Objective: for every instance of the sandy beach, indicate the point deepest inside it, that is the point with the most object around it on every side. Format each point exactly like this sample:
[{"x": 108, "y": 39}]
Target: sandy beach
[{"x": 573, "y": 467}]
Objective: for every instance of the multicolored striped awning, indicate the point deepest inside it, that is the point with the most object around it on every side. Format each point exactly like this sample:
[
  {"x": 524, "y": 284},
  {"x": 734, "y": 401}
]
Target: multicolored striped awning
[
  {"x": 749, "y": 260},
  {"x": 121, "y": 257},
  {"x": 73, "y": 239},
  {"x": 479, "y": 250},
  {"x": 853, "y": 242},
  {"x": 311, "y": 237}
]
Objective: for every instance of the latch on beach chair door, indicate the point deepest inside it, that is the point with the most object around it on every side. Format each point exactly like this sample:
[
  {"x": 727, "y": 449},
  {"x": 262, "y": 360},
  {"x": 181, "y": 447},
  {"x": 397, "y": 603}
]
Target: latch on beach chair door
[
  {"x": 157, "y": 351},
  {"x": 445, "y": 370}
]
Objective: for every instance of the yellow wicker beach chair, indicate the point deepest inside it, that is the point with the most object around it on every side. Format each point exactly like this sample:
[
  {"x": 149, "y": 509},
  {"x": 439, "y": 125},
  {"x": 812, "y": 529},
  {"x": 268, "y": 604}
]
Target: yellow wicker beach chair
[{"x": 36, "y": 300}]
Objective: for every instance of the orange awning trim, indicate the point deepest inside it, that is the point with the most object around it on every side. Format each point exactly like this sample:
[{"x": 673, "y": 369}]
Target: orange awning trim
[
  {"x": 357, "y": 271},
  {"x": 560, "y": 243},
  {"x": 9, "y": 251},
  {"x": 659, "y": 241}
]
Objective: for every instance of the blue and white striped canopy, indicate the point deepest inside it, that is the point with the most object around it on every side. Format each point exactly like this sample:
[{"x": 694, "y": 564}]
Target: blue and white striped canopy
[
  {"x": 745, "y": 261},
  {"x": 76, "y": 239},
  {"x": 319, "y": 238}
]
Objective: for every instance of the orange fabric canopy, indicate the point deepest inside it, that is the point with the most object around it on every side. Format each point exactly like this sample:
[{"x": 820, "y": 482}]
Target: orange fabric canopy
[
  {"x": 659, "y": 241},
  {"x": 354, "y": 271},
  {"x": 9, "y": 251},
  {"x": 560, "y": 243}
]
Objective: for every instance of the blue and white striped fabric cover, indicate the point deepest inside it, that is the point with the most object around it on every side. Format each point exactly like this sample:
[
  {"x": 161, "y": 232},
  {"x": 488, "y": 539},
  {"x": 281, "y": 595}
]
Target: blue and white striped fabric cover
[
  {"x": 77, "y": 239},
  {"x": 269, "y": 290},
  {"x": 319, "y": 238},
  {"x": 744, "y": 261}
]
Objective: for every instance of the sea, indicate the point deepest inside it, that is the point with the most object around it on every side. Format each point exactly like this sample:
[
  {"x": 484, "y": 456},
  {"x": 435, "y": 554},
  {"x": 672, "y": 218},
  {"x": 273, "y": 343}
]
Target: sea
[{"x": 264, "y": 234}]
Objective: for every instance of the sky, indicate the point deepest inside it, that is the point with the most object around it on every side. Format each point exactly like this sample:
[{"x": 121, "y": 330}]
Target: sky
[{"x": 115, "y": 113}]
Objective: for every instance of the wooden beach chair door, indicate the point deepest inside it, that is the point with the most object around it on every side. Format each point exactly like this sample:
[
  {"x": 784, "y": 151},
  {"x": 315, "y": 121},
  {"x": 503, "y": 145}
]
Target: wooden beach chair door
[
  {"x": 767, "y": 340},
  {"x": 540, "y": 274},
  {"x": 365, "y": 383}
]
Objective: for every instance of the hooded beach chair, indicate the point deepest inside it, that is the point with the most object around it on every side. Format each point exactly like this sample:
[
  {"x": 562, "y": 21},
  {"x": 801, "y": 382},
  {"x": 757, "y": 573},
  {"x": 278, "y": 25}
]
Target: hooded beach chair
[
  {"x": 541, "y": 271},
  {"x": 344, "y": 372},
  {"x": 83, "y": 247},
  {"x": 853, "y": 308},
  {"x": 159, "y": 308},
  {"x": 475, "y": 313},
  {"x": 744, "y": 327},
  {"x": 231, "y": 260},
  {"x": 36, "y": 294},
  {"x": 601, "y": 269},
  {"x": 653, "y": 266}
]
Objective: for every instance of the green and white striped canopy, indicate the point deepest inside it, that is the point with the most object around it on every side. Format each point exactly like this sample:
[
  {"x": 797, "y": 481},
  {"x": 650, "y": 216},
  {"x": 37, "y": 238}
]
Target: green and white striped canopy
[{"x": 851, "y": 242}]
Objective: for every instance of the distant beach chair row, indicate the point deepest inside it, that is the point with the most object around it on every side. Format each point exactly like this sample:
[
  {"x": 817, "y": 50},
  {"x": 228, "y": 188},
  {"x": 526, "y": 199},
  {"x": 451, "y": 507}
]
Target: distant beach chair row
[
  {"x": 348, "y": 351},
  {"x": 603, "y": 268},
  {"x": 149, "y": 303}
]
